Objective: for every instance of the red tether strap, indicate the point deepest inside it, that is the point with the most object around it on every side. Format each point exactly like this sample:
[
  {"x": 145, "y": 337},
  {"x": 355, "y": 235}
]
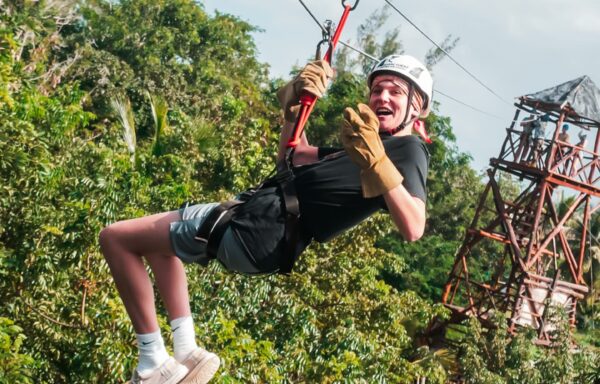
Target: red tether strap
[{"x": 307, "y": 100}]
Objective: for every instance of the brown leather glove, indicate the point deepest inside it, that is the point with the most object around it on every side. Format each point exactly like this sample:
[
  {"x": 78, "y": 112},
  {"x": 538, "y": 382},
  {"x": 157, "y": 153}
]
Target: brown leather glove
[
  {"x": 360, "y": 136},
  {"x": 313, "y": 79}
]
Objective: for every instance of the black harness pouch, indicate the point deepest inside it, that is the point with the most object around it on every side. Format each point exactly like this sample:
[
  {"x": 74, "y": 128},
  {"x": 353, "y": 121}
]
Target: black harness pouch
[
  {"x": 259, "y": 226},
  {"x": 264, "y": 221}
]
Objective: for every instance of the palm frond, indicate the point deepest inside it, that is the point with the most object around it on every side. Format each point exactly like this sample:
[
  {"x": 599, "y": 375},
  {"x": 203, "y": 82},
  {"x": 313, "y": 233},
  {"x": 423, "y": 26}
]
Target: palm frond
[
  {"x": 122, "y": 107},
  {"x": 159, "y": 108}
]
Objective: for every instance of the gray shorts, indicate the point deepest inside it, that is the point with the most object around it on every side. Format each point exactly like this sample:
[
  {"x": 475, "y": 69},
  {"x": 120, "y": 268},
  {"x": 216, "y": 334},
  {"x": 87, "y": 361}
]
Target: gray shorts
[{"x": 231, "y": 253}]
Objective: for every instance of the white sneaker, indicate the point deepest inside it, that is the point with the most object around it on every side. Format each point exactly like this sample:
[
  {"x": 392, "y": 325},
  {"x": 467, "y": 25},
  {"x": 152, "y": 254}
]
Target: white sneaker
[
  {"x": 170, "y": 372},
  {"x": 202, "y": 366}
]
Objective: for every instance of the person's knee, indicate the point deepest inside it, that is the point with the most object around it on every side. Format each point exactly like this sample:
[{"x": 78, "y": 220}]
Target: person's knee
[{"x": 109, "y": 236}]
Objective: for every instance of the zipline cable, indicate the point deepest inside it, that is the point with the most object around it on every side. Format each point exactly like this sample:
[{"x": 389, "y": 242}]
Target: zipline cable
[
  {"x": 373, "y": 58},
  {"x": 467, "y": 105},
  {"x": 326, "y": 31},
  {"x": 436, "y": 90},
  {"x": 313, "y": 17},
  {"x": 359, "y": 51},
  {"x": 448, "y": 54}
]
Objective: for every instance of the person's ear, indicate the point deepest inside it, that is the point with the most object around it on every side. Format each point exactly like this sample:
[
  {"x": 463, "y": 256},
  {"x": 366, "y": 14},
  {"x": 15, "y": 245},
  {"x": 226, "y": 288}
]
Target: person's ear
[{"x": 414, "y": 112}]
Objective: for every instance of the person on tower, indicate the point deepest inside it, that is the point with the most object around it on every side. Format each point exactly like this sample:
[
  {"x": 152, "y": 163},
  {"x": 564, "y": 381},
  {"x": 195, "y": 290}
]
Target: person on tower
[
  {"x": 539, "y": 138},
  {"x": 528, "y": 125}
]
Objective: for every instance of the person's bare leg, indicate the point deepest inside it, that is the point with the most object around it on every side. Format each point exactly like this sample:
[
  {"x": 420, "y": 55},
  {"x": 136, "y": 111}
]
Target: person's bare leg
[
  {"x": 123, "y": 245},
  {"x": 171, "y": 282}
]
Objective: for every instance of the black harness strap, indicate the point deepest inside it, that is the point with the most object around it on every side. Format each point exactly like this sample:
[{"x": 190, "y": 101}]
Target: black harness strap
[
  {"x": 292, "y": 217},
  {"x": 213, "y": 227}
]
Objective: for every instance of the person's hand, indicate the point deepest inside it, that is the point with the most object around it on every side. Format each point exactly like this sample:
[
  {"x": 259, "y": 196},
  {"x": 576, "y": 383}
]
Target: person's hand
[
  {"x": 360, "y": 137},
  {"x": 312, "y": 79}
]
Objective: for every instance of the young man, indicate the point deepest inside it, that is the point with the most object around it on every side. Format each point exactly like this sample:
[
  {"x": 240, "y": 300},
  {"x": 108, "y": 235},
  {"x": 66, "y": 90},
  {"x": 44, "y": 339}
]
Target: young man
[
  {"x": 539, "y": 139},
  {"x": 564, "y": 134},
  {"x": 382, "y": 166},
  {"x": 525, "y": 138}
]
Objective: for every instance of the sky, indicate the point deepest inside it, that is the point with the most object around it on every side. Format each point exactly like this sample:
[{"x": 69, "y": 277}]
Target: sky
[{"x": 514, "y": 47}]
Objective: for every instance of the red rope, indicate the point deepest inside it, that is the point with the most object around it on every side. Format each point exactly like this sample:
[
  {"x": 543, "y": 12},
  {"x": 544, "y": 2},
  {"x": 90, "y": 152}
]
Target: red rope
[{"x": 308, "y": 100}]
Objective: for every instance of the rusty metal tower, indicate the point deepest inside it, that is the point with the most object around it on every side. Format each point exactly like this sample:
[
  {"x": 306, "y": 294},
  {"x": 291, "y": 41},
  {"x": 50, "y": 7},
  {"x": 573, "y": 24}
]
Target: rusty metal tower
[{"x": 532, "y": 258}]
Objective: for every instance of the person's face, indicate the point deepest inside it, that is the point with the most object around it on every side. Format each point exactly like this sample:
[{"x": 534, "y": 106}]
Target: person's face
[{"x": 388, "y": 99}]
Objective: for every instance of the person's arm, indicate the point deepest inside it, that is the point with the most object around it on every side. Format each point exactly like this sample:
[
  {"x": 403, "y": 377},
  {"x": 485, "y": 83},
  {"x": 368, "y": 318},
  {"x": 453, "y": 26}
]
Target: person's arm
[
  {"x": 304, "y": 152},
  {"x": 379, "y": 176},
  {"x": 312, "y": 79},
  {"x": 526, "y": 122},
  {"x": 408, "y": 212}
]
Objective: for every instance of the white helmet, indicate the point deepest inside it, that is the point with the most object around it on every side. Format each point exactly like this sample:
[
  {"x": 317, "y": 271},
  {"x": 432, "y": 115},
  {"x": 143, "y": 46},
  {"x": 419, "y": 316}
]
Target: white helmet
[{"x": 410, "y": 69}]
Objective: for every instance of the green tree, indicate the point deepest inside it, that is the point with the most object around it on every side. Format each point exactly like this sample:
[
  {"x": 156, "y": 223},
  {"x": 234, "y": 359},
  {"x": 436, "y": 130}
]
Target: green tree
[
  {"x": 15, "y": 367},
  {"x": 494, "y": 356}
]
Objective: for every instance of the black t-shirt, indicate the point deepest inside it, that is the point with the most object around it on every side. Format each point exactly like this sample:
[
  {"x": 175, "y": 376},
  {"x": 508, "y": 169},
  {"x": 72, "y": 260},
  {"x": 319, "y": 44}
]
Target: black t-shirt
[
  {"x": 330, "y": 194},
  {"x": 330, "y": 198}
]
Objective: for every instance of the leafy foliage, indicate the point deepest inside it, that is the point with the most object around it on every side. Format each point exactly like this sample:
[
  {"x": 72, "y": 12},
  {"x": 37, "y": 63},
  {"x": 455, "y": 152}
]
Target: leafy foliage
[
  {"x": 492, "y": 356},
  {"x": 15, "y": 367}
]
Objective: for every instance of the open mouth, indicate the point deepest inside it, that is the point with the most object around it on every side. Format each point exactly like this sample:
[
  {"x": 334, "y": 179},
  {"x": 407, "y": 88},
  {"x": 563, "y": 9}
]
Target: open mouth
[{"x": 383, "y": 112}]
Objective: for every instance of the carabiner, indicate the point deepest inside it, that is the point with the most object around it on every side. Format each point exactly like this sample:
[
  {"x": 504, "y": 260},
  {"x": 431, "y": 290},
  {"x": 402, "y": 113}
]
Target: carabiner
[
  {"x": 353, "y": 7},
  {"x": 326, "y": 38},
  {"x": 318, "y": 55}
]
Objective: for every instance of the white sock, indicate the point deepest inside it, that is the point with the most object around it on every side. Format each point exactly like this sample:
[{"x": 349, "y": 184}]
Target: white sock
[
  {"x": 184, "y": 337},
  {"x": 152, "y": 352}
]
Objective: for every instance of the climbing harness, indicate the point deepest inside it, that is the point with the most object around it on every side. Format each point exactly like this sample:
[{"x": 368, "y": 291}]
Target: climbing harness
[{"x": 213, "y": 228}]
